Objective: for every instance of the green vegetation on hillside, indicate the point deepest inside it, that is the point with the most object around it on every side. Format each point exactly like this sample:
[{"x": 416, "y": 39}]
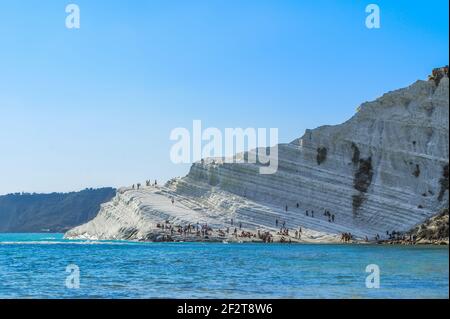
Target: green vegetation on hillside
[{"x": 55, "y": 212}]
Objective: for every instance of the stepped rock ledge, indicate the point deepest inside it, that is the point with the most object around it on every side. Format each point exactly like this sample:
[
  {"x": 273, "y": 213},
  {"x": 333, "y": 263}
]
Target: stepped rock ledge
[{"x": 384, "y": 170}]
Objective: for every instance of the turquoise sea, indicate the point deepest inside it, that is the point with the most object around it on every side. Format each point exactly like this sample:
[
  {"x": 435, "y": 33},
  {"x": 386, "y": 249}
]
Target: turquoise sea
[{"x": 34, "y": 266}]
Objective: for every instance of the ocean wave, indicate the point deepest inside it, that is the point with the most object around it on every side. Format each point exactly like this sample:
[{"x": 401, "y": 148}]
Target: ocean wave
[{"x": 46, "y": 242}]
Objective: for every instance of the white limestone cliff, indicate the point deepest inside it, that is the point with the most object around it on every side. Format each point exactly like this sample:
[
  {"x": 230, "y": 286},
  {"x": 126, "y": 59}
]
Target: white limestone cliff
[{"x": 385, "y": 169}]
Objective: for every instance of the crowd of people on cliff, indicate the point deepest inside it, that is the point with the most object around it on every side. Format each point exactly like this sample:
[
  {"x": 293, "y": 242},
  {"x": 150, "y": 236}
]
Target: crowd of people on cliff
[
  {"x": 204, "y": 231},
  {"x": 265, "y": 236}
]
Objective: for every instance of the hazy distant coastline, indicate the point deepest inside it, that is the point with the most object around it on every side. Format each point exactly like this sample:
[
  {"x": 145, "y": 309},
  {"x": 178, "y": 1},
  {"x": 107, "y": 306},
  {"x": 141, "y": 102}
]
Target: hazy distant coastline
[{"x": 55, "y": 212}]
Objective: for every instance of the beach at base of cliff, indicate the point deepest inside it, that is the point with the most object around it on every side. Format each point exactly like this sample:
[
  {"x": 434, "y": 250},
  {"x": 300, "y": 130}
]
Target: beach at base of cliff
[{"x": 161, "y": 235}]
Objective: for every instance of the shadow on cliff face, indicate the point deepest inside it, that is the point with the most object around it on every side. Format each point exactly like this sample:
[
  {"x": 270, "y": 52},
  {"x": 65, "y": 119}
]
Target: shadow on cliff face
[
  {"x": 443, "y": 183},
  {"x": 362, "y": 178},
  {"x": 321, "y": 155},
  {"x": 363, "y": 175},
  {"x": 356, "y": 154},
  {"x": 416, "y": 172},
  {"x": 213, "y": 176}
]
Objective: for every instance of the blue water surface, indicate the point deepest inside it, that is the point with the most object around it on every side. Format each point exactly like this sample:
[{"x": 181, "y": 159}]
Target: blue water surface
[{"x": 34, "y": 266}]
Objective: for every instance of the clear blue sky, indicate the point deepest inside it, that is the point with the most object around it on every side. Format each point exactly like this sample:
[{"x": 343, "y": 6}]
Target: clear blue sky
[{"x": 95, "y": 107}]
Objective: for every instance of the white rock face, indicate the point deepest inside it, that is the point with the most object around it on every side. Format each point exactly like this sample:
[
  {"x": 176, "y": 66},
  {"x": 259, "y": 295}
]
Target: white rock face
[{"x": 385, "y": 169}]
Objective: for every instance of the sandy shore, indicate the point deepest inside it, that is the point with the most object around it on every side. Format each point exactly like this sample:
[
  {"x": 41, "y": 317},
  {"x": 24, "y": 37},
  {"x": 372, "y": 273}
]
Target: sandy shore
[
  {"x": 250, "y": 236},
  {"x": 171, "y": 233}
]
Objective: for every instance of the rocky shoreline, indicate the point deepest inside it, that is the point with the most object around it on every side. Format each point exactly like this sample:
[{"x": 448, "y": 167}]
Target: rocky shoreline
[{"x": 434, "y": 231}]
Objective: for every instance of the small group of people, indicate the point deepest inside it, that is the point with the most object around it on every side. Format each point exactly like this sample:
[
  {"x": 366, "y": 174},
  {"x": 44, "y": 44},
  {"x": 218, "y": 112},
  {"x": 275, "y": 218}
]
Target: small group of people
[
  {"x": 247, "y": 234},
  {"x": 346, "y": 237},
  {"x": 199, "y": 230},
  {"x": 284, "y": 232},
  {"x": 266, "y": 237},
  {"x": 164, "y": 226},
  {"x": 298, "y": 233},
  {"x": 394, "y": 234},
  {"x": 329, "y": 215},
  {"x": 401, "y": 237},
  {"x": 307, "y": 213},
  {"x": 148, "y": 183}
]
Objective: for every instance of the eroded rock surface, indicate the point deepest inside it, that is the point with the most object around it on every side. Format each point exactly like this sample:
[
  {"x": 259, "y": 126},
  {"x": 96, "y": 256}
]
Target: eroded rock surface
[{"x": 384, "y": 170}]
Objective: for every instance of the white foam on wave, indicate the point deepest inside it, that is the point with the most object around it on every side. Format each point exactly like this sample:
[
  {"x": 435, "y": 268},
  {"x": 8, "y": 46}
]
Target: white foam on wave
[{"x": 45, "y": 242}]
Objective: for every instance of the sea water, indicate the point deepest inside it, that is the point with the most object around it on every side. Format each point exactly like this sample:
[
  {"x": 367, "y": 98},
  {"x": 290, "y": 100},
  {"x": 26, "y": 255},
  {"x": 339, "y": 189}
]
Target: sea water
[{"x": 36, "y": 266}]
